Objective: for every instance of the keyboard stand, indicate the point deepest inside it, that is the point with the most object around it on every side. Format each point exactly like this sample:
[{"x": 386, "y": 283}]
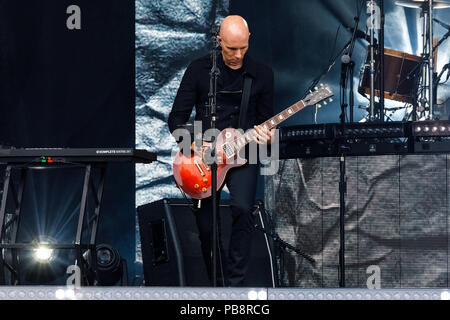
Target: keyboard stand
[{"x": 13, "y": 190}]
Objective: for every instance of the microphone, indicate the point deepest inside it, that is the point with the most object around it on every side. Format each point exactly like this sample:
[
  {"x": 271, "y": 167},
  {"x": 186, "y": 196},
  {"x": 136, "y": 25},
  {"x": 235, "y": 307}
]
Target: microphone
[
  {"x": 345, "y": 59},
  {"x": 446, "y": 26}
]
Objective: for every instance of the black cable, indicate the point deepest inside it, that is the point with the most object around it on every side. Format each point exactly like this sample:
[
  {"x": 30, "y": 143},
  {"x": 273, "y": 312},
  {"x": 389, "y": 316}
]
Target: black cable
[
  {"x": 190, "y": 203},
  {"x": 334, "y": 44}
]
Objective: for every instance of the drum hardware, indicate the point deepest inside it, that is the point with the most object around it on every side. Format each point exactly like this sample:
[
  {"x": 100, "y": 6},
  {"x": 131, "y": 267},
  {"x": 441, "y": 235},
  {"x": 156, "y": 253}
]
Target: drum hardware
[
  {"x": 407, "y": 78},
  {"x": 425, "y": 90}
]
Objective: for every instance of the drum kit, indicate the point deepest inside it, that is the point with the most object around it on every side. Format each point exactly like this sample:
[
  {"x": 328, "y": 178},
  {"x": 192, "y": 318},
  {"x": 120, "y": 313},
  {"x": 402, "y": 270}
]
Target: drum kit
[{"x": 409, "y": 79}]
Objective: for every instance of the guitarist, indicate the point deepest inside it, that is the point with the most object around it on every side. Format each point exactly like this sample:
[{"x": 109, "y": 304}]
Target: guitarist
[{"x": 234, "y": 66}]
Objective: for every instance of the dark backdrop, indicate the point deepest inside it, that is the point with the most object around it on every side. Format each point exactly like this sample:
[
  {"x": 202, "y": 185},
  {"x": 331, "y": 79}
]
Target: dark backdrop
[
  {"x": 75, "y": 89},
  {"x": 297, "y": 38}
]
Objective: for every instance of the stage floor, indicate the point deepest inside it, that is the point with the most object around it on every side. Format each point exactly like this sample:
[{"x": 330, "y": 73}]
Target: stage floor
[{"x": 200, "y": 293}]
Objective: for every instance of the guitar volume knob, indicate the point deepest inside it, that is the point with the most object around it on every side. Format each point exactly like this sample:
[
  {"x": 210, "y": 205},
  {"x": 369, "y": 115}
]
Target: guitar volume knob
[{"x": 196, "y": 186}]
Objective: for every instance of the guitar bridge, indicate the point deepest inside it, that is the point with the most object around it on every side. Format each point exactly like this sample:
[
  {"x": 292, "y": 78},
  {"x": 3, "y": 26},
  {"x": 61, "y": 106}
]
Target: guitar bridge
[{"x": 198, "y": 167}]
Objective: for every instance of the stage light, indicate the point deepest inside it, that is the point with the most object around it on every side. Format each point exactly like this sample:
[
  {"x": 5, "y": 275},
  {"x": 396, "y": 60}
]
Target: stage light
[
  {"x": 431, "y": 128},
  {"x": 111, "y": 268},
  {"x": 43, "y": 254},
  {"x": 42, "y": 263},
  {"x": 252, "y": 295},
  {"x": 109, "y": 265},
  {"x": 68, "y": 294},
  {"x": 262, "y": 295},
  {"x": 257, "y": 295}
]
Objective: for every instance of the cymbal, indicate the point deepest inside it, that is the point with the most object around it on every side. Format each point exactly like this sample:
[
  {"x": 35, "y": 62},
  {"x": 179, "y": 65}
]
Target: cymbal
[{"x": 437, "y": 4}]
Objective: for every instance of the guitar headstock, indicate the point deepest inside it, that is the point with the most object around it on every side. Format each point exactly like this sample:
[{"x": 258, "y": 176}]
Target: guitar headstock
[{"x": 318, "y": 95}]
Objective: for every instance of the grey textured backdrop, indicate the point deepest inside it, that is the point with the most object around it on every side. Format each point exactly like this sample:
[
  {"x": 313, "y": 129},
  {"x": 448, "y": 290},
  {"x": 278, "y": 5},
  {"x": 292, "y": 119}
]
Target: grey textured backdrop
[{"x": 396, "y": 218}]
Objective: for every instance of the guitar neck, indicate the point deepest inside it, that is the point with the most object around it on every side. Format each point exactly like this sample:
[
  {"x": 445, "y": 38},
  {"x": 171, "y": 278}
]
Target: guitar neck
[
  {"x": 274, "y": 121},
  {"x": 283, "y": 115},
  {"x": 311, "y": 99}
]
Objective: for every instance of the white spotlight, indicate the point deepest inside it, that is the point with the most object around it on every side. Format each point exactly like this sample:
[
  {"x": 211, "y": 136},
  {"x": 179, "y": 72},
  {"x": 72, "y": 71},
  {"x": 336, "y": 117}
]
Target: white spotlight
[{"x": 43, "y": 253}]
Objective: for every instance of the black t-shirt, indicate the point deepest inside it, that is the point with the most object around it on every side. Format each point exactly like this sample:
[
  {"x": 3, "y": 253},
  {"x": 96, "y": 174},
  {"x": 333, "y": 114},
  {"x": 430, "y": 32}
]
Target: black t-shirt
[
  {"x": 230, "y": 76},
  {"x": 194, "y": 89}
]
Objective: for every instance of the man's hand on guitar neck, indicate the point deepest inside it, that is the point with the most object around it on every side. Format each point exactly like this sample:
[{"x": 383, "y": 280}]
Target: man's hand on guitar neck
[{"x": 263, "y": 135}]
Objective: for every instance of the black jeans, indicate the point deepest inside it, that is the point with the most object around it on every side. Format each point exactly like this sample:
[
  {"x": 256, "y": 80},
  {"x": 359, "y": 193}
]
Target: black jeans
[{"x": 231, "y": 269}]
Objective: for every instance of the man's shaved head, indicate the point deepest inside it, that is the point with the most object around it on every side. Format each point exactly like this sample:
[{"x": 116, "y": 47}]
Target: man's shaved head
[
  {"x": 233, "y": 37},
  {"x": 234, "y": 26}
]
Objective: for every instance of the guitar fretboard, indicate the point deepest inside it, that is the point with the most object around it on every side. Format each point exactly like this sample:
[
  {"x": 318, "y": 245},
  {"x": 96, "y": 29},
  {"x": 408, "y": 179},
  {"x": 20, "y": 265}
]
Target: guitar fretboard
[
  {"x": 269, "y": 124},
  {"x": 283, "y": 115},
  {"x": 233, "y": 147}
]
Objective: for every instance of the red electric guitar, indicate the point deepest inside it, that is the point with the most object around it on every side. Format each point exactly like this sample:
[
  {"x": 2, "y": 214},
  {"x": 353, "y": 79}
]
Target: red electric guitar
[{"x": 193, "y": 176}]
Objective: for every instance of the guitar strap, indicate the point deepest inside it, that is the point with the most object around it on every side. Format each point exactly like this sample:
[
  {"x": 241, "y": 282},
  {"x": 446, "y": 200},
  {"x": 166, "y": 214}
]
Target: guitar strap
[{"x": 245, "y": 99}]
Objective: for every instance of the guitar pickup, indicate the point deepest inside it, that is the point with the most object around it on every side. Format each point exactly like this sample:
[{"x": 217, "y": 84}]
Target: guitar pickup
[{"x": 229, "y": 151}]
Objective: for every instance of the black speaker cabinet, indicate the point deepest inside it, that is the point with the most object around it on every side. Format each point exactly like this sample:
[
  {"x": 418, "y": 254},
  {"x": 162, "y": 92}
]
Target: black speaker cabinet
[{"x": 171, "y": 253}]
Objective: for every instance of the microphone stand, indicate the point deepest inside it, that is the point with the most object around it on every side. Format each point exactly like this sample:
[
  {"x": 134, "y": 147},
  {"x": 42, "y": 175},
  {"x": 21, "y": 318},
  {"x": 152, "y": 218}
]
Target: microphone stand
[
  {"x": 371, "y": 5},
  {"x": 280, "y": 246},
  {"x": 347, "y": 65},
  {"x": 381, "y": 60},
  {"x": 352, "y": 96},
  {"x": 431, "y": 62},
  {"x": 326, "y": 70},
  {"x": 212, "y": 94}
]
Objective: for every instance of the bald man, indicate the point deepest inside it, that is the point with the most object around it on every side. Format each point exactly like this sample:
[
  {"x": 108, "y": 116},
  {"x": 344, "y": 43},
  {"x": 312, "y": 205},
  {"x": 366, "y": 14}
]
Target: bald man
[{"x": 235, "y": 65}]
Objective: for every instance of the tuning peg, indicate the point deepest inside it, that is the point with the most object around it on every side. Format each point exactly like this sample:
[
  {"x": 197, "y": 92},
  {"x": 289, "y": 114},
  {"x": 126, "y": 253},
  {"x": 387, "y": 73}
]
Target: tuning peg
[
  {"x": 315, "y": 88},
  {"x": 331, "y": 99},
  {"x": 321, "y": 84},
  {"x": 325, "y": 103},
  {"x": 318, "y": 105},
  {"x": 310, "y": 91}
]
